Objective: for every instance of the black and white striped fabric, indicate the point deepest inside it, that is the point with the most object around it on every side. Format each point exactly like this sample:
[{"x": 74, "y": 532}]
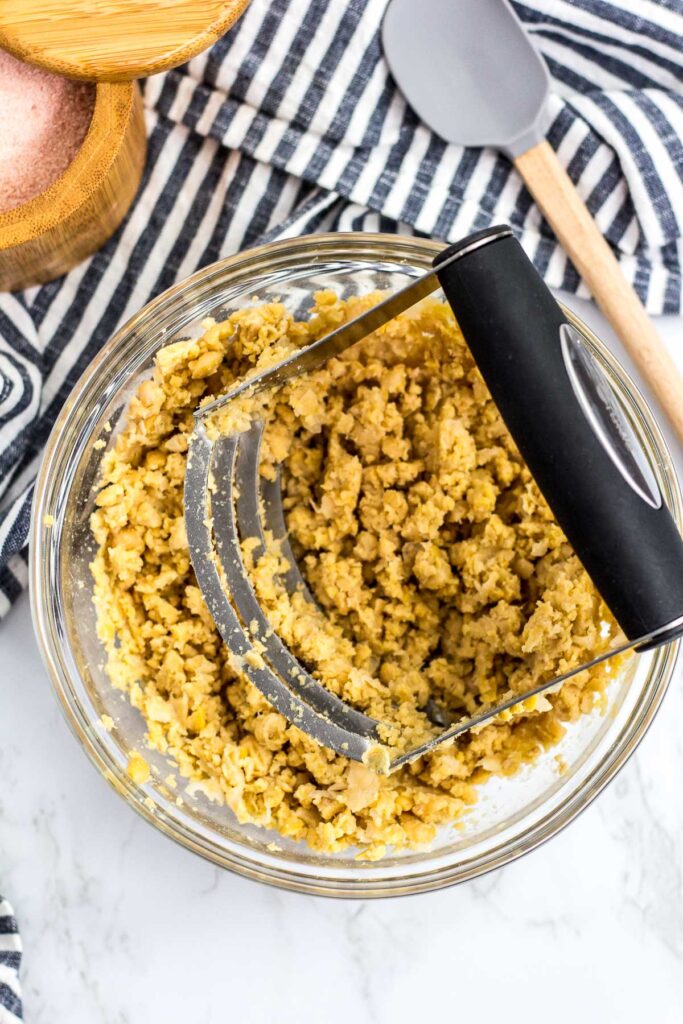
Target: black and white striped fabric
[
  {"x": 292, "y": 124},
  {"x": 10, "y": 959}
]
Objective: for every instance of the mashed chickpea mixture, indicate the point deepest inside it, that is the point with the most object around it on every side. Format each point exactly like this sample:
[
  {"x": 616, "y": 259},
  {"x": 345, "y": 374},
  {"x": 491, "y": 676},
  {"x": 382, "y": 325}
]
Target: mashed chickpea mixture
[{"x": 440, "y": 570}]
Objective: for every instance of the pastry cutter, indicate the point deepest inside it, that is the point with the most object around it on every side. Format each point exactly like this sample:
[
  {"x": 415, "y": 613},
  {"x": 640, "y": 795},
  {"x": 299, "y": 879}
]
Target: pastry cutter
[{"x": 569, "y": 425}]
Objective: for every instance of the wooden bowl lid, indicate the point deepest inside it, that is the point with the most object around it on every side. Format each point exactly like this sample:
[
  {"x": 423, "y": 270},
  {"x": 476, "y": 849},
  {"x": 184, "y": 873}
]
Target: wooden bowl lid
[{"x": 116, "y": 41}]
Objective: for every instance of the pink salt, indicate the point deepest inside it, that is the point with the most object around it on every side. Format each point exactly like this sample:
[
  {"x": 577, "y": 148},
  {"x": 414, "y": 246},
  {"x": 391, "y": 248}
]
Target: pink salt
[{"x": 43, "y": 121}]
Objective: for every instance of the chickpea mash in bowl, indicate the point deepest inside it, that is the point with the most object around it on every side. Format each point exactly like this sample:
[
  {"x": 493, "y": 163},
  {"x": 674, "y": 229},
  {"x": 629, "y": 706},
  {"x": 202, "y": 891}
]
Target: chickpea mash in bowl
[{"x": 436, "y": 569}]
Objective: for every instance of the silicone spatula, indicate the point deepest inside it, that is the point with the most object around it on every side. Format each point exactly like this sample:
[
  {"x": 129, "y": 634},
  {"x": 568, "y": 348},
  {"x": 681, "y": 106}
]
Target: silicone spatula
[{"x": 471, "y": 72}]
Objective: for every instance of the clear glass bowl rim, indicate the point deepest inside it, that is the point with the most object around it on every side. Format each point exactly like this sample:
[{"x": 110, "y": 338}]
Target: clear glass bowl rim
[{"x": 50, "y": 633}]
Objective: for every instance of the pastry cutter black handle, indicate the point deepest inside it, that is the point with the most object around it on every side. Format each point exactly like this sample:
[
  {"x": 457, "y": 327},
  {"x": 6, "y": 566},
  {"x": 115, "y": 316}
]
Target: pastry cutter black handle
[{"x": 572, "y": 430}]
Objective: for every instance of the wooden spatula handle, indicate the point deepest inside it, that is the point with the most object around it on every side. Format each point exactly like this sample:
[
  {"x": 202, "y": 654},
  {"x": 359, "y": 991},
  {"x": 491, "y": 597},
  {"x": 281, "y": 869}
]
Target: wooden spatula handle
[{"x": 579, "y": 235}]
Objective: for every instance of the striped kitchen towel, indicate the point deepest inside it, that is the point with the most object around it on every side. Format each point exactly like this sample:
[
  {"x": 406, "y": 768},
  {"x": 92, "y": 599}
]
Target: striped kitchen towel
[
  {"x": 291, "y": 124},
  {"x": 10, "y": 958}
]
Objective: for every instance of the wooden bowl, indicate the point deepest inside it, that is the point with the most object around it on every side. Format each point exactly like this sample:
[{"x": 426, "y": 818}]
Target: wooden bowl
[{"x": 45, "y": 237}]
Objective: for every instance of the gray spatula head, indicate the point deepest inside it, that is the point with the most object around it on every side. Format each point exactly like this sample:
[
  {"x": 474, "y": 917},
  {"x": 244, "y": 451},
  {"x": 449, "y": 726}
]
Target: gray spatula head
[{"x": 469, "y": 70}]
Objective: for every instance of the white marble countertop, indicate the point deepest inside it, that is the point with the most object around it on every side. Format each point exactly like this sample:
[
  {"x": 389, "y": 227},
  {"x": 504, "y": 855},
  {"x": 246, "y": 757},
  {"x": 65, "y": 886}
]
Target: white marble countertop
[{"x": 121, "y": 925}]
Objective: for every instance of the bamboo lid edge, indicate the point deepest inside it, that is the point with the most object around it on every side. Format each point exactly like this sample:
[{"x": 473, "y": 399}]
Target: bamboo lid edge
[{"x": 128, "y": 39}]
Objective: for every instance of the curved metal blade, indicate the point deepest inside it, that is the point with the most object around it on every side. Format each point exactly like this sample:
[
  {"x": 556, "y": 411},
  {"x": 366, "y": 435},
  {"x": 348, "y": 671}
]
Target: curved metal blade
[
  {"x": 294, "y": 693},
  {"x": 464, "y": 725}
]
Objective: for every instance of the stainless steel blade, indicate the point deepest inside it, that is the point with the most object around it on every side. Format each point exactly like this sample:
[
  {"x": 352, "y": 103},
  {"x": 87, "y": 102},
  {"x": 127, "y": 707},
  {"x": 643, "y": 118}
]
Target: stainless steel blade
[
  {"x": 465, "y": 724},
  {"x": 291, "y": 691},
  {"x": 307, "y": 359}
]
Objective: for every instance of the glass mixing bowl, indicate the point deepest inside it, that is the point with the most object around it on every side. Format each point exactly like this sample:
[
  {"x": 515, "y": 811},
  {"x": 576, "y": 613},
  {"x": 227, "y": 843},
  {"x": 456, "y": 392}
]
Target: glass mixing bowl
[{"x": 512, "y": 816}]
